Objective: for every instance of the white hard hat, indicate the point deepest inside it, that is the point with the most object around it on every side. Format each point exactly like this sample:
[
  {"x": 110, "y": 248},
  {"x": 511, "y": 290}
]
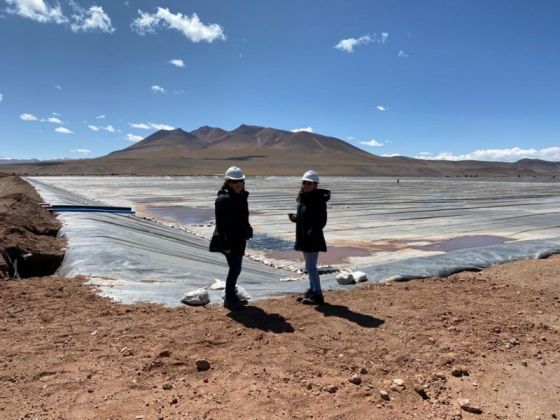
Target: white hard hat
[
  {"x": 234, "y": 173},
  {"x": 310, "y": 176}
]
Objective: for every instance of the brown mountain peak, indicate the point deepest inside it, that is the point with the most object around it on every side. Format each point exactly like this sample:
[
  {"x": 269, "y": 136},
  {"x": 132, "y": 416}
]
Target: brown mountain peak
[
  {"x": 208, "y": 134},
  {"x": 247, "y": 130},
  {"x": 166, "y": 139}
]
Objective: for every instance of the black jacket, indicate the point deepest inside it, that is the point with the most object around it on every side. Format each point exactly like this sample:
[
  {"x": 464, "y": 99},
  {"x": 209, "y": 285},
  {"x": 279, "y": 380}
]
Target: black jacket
[
  {"x": 311, "y": 218},
  {"x": 232, "y": 222}
]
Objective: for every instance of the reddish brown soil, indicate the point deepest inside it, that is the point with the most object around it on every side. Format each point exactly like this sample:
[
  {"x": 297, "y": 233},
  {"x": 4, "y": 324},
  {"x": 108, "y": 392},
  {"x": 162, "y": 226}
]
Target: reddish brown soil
[
  {"x": 26, "y": 225},
  {"x": 67, "y": 353}
]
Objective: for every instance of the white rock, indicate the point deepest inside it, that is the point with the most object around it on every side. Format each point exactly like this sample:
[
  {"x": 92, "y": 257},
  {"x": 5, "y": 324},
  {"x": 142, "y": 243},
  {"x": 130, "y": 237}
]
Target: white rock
[
  {"x": 359, "y": 276},
  {"x": 242, "y": 293},
  {"x": 345, "y": 278},
  {"x": 218, "y": 285},
  {"x": 196, "y": 297},
  {"x": 284, "y": 279}
]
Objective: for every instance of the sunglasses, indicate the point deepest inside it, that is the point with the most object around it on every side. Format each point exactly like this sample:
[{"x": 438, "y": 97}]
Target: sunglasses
[
  {"x": 235, "y": 181},
  {"x": 307, "y": 183}
]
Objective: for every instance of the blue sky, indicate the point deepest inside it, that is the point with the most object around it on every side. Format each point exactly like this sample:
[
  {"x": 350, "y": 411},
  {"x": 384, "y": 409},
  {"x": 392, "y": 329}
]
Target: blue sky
[{"x": 441, "y": 79}]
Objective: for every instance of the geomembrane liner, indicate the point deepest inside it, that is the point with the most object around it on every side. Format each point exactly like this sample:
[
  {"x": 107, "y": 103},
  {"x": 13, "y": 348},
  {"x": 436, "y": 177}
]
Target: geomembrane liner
[{"x": 133, "y": 259}]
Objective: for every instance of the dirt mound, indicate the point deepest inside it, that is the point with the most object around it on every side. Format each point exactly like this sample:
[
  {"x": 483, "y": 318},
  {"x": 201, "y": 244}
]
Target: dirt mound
[{"x": 25, "y": 225}]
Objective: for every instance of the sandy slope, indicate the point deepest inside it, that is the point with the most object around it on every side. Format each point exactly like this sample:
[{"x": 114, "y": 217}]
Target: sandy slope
[{"x": 67, "y": 353}]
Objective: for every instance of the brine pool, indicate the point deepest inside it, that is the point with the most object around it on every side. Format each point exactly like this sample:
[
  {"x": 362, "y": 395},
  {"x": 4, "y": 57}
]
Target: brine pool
[{"x": 416, "y": 228}]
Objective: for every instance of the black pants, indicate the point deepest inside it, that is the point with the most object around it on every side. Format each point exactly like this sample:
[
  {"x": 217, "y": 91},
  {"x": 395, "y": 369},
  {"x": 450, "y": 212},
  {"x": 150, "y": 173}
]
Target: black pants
[{"x": 234, "y": 263}]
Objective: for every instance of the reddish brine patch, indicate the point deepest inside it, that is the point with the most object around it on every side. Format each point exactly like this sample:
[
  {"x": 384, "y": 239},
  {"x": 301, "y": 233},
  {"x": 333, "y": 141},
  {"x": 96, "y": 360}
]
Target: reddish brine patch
[
  {"x": 464, "y": 242},
  {"x": 335, "y": 254}
]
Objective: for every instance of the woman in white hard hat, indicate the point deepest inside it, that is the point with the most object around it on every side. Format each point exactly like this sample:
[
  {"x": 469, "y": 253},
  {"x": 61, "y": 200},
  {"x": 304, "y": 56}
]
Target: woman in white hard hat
[
  {"x": 232, "y": 230},
  {"x": 310, "y": 219}
]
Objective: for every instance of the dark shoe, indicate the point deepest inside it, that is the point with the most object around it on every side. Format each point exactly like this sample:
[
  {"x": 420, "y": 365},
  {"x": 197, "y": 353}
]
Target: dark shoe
[
  {"x": 241, "y": 301},
  {"x": 233, "y": 304},
  {"x": 314, "y": 299},
  {"x": 237, "y": 299},
  {"x": 306, "y": 294}
]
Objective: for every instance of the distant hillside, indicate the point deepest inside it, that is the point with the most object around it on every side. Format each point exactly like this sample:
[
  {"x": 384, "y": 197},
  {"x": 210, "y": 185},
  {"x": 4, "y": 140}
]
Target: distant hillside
[
  {"x": 268, "y": 151},
  {"x": 164, "y": 140},
  {"x": 244, "y": 138},
  {"x": 17, "y": 161}
]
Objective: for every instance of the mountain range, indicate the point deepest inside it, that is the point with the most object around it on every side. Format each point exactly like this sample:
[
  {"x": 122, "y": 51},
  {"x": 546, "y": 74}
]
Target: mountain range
[{"x": 267, "y": 151}]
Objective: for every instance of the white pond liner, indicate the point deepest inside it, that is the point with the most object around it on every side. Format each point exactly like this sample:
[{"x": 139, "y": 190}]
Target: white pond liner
[{"x": 132, "y": 259}]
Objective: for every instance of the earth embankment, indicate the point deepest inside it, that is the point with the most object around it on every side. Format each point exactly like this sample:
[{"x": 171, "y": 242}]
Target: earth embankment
[{"x": 27, "y": 229}]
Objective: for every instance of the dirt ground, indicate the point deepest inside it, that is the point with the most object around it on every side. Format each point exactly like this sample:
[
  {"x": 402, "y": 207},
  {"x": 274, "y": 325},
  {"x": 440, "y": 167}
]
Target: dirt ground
[{"x": 393, "y": 351}]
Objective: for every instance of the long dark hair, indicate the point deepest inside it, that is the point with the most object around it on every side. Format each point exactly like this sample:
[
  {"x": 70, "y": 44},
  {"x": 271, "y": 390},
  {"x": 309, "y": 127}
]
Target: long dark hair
[
  {"x": 299, "y": 194},
  {"x": 301, "y": 191},
  {"x": 226, "y": 185}
]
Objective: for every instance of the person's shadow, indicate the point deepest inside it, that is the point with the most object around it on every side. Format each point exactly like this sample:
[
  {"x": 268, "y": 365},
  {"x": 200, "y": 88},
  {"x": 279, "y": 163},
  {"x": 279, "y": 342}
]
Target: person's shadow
[
  {"x": 253, "y": 317},
  {"x": 366, "y": 321}
]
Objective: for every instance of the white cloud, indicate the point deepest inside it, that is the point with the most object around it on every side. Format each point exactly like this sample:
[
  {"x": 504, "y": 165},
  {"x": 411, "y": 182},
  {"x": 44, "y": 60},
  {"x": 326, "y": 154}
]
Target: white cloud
[
  {"x": 297, "y": 130},
  {"x": 381, "y": 108},
  {"x": 27, "y": 117},
  {"x": 178, "y": 92},
  {"x": 82, "y": 151},
  {"x": 191, "y": 27},
  {"x": 145, "y": 23},
  {"x": 109, "y": 128},
  {"x": 500, "y": 155},
  {"x": 150, "y": 125},
  {"x": 133, "y": 137},
  {"x": 63, "y": 130},
  {"x": 58, "y": 87},
  {"x": 140, "y": 125},
  {"x": 372, "y": 143},
  {"x": 348, "y": 45},
  {"x": 86, "y": 20},
  {"x": 1, "y": 97},
  {"x": 54, "y": 120},
  {"x": 157, "y": 89},
  {"x": 55, "y": 113},
  {"x": 101, "y": 117},
  {"x": 390, "y": 154},
  {"x": 162, "y": 126},
  {"x": 402, "y": 54},
  {"x": 92, "y": 19},
  {"x": 37, "y": 10},
  {"x": 177, "y": 62}
]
